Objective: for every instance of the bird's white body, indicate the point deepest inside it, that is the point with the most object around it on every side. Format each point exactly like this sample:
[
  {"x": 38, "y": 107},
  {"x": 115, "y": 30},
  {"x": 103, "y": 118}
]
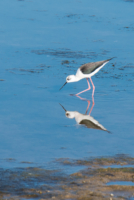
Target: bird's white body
[
  {"x": 81, "y": 117},
  {"x": 79, "y": 75},
  {"x": 86, "y": 71}
]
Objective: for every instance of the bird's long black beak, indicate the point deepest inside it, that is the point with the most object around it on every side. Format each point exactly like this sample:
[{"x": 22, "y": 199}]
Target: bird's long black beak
[
  {"x": 63, "y": 107},
  {"x": 63, "y": 86}
]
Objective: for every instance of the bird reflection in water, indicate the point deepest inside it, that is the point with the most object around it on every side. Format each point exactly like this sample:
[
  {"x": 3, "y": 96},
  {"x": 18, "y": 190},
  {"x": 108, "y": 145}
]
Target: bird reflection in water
[{"x": 85, "y": 119}]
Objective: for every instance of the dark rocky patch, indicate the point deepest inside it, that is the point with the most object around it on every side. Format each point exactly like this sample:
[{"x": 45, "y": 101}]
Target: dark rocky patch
[
  {"x": 90, "y": 183},
  {"x": 65, "y": 53}
]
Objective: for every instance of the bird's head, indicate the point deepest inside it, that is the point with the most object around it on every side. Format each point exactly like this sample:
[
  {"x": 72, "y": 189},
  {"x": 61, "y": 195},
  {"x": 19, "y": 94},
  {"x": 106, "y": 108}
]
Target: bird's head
[
  {"x": 70, "y": 79},
  {"x": 70, "y": 114}
]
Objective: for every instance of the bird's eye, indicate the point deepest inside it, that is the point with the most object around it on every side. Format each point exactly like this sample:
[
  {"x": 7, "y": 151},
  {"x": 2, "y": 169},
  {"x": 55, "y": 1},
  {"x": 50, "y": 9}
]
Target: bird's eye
[
  {"x": 67, "y": 114},
  {"x": 68, "y": 79}
]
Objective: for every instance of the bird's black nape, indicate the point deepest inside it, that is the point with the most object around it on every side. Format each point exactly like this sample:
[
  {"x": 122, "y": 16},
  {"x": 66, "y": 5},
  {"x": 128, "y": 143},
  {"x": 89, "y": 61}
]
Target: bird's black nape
[{"x": 63, "y": 85}]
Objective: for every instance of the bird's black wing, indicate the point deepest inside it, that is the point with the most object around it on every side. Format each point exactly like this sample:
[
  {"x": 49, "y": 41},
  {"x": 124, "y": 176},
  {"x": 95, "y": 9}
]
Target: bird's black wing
[
  {"x": 90, "y": 67},
  {"x": 90, "y": 124}
]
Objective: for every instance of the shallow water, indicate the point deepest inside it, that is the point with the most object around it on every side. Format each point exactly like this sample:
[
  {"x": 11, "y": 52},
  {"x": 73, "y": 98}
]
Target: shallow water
[
  {"x": 40, "y": 44},
  {"x": 121, "y": 183}
]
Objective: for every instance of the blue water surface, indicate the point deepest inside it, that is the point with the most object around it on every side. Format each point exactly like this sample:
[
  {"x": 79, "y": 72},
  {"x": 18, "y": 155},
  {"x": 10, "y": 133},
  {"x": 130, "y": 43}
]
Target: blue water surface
[
  {"x": 121, "y": 183},
  {"x": 41, "y": 42}
]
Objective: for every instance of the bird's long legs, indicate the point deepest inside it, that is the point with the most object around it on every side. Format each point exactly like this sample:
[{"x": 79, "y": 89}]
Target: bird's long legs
[
  {"x": 88, "y": 107},
  {"x": 91, "y": 108},
  {"x": 92, "y": 96},
  {"x": 88, "y": 101},
  {"x": 86, "y": 89},
  {"x": 93, "y": 87}
]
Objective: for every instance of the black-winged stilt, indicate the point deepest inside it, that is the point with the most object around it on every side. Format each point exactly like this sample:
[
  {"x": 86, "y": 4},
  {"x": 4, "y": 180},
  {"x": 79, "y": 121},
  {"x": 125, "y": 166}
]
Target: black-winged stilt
[
  {"x": 86, "y": 71},
  {"x": 84, "y": 119}
]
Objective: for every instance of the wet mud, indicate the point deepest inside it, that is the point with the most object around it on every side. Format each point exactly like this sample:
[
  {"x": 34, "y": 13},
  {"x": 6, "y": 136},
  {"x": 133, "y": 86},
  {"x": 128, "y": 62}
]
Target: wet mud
[{"x": 89, "y": 183}]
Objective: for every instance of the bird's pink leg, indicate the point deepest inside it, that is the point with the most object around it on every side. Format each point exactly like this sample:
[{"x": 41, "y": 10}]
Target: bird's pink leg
[
  {"x": 86, "y": 89},
  {"x": 92, "y": 96},
  {"x": 93, "y": 87},
  {"x": 81, "y": 98},
  {"x": 85, "y": 100},
  {"x": 87, "y": 106},
  {"x": 91, "y": 108}
]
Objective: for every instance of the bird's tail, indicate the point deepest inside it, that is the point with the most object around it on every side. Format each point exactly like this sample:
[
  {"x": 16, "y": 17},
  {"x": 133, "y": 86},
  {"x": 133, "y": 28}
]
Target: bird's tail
[{"x": 110, "y": 59}]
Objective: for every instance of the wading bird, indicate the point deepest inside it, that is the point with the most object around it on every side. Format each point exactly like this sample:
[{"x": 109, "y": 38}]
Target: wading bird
[
  {"x": 84, "y": 119},
  {"x": 86, "y": 71}
]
